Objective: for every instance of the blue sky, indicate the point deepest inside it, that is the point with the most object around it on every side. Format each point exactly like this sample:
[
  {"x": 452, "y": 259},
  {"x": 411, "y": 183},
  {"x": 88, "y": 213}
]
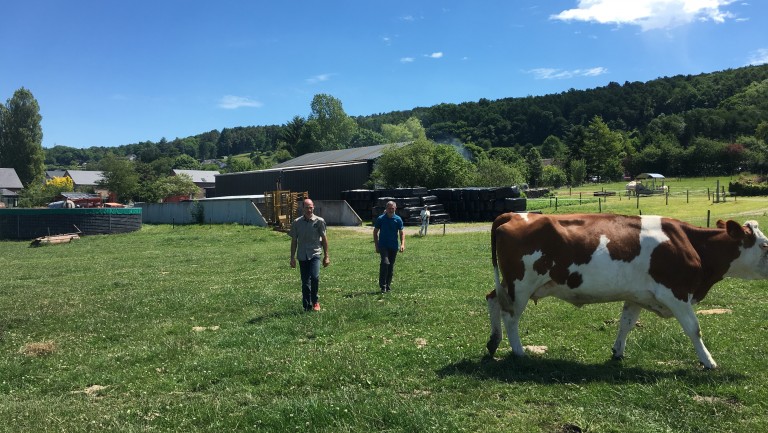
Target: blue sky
[{"x": 107, "y": 73}]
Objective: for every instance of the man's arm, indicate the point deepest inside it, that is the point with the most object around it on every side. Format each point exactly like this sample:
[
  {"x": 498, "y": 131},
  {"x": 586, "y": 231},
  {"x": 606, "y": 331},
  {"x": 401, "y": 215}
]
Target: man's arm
[
  {"x": 402, "y": 240},
  {"x": 326, "y": 257},
  {"x": 376, "y": 238},
  {"x": 293, "y": 252}
]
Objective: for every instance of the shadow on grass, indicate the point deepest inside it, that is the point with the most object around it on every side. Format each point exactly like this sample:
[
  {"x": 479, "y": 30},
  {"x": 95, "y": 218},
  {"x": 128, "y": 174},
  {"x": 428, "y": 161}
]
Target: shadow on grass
[
  {"x": 276, "y": 315},
  {"x": 357, "y": 294},
  {"x": 530, "y": 369}
]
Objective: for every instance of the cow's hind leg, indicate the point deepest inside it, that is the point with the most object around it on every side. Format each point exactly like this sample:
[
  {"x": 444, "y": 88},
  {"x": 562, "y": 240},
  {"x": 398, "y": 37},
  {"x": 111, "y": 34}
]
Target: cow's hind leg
[
  {"x": 629, "y": 315},
  {"x": 494, "y": 313},
  {"x": 512, "y": 324}
]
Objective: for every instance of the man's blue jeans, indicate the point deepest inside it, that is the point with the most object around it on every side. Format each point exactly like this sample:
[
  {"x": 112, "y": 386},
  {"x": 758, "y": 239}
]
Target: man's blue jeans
[{"x": 310, "y": 281}]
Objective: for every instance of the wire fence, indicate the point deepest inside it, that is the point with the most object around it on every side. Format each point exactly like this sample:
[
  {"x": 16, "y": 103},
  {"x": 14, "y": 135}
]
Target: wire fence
[{"x": 623, "y": 201}]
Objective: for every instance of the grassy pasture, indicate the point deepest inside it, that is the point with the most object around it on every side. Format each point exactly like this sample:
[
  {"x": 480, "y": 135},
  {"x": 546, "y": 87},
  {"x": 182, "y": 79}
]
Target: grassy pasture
[{"x": 200, "y": 328}]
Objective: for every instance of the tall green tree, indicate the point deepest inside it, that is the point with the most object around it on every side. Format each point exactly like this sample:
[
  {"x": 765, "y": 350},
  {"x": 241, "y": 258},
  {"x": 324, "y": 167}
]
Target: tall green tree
[
  {"x": 329, "y": 127},
  {"x": 422, "y": 163},
  {"x": 291, "y": 134},
  {"x": 533, "y": 161},
  {"x": 21, "y": 137},
  {"x": 119, "y": 177},
  {"x": 409, "y": 130},
  {"x": 602, "y": 150}
]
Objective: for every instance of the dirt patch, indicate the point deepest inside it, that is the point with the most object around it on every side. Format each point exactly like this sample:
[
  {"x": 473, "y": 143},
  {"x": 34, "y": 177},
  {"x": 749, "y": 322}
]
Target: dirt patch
[
  {"x": 44, "y": 348},
  {"x": 536, "y": 350},
  {"x": 715, "y": 311}
]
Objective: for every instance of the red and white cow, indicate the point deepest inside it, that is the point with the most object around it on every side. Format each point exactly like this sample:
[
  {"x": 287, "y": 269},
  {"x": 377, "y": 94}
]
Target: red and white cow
[{"x": 660, "y": 264}]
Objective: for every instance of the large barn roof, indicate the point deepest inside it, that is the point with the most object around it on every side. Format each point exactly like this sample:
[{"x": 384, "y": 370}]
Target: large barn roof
[{"x": 334, "y": 156}]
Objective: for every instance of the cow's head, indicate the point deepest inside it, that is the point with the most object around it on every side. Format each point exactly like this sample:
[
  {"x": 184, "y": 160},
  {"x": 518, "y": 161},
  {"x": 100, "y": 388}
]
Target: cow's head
[{"x": 754, "y": 245}]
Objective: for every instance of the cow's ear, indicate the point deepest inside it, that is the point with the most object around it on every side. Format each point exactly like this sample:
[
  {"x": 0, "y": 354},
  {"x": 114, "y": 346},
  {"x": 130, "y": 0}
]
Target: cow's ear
[
  {"x": 720, "y": 224},
  {"x": 735, "y": 230}
]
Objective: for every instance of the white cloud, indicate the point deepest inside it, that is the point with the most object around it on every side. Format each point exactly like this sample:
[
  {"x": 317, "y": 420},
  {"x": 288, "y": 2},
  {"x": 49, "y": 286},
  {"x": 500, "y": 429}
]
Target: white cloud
[
  {"x": 319, "y": 78},
  {"x": 559, "y": 74},
  {"x": 436, "y": 55},
  {"x": 648, "y": 14},
  {"x": 759, "y": 57},
  {"x": 231, "y": 102},
  {"x": 407, "y": 60}
]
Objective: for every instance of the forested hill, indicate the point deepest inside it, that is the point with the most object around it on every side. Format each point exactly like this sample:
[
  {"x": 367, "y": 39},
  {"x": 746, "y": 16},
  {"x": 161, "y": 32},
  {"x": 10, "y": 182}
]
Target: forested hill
[{"x": 719, "y": 106}]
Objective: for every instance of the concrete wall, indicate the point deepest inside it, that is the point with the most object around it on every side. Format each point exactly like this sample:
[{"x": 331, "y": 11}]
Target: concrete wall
[
  {"x": 217, "y": 211},
  {"x": 239, "y": 210},
  {"x": 336, "y": 213}
]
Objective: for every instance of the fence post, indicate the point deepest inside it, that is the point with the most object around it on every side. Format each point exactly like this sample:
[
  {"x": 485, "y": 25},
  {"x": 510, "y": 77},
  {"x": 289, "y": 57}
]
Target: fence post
[
  {"x": 599, "y": 205},
  {"x": 686, "y": 196},
  {"x": 708, "y": 212},
  {"x": 555, "y": 203},
  {"x": 579, "y": 199},
  {"x": 638, "y": 200}
]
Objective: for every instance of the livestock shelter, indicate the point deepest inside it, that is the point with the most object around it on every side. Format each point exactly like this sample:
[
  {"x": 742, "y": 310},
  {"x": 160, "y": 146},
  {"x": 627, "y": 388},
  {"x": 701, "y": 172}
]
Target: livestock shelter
[
  {"x": 324, "y": 175},
  {"x": 322, "y": 182}
]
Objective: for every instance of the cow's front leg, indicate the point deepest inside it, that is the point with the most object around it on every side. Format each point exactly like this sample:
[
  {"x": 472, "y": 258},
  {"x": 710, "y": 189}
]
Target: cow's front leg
[
  {"x": 629, "y": 315},
  {"x": 692, "y": 329},
  {"x": 683, "y": 312}
]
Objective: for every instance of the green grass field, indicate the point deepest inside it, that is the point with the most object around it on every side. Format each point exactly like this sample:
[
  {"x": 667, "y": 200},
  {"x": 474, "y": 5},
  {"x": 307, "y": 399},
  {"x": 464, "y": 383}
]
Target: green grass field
[{"x": 200, "y": 328}]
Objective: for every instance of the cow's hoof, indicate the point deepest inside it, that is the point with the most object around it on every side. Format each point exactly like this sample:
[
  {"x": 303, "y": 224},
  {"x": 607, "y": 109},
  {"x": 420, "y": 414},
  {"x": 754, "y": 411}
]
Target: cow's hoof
[
  {"x": 616, "y": 357},
  {"x": 492, "y": 345}
]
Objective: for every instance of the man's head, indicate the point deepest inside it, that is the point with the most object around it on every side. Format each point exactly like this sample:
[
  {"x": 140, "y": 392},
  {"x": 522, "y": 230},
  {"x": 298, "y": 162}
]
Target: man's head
[
  {"x": 309, "y": 208},
  {"x": 391, "y": 208}
]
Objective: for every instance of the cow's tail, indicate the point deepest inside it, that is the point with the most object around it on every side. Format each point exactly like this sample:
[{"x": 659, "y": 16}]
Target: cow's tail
[{"x": 494, "y": 309}]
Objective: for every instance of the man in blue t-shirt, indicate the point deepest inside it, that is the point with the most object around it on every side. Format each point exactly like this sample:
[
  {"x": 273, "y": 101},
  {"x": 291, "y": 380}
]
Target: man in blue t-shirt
[{"x": 386, "y": 230}]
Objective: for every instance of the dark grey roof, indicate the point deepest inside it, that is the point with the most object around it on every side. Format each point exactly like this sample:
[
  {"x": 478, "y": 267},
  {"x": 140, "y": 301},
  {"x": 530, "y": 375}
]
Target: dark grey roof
[
  {"x": 333, "y": 156},
  {"x": 50, "y": 174},
  {"x": 7, "y": 193},
  {"x": 9, "y": 179}
]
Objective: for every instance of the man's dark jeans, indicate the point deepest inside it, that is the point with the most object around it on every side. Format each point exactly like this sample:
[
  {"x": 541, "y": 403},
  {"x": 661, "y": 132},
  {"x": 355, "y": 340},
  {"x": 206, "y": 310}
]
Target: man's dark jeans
[
  {"x": 386, "y": 267},
  {"x": 310, "y": 281}
]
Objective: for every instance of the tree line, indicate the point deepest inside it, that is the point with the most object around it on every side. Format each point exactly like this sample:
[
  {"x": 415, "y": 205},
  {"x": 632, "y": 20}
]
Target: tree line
[{"x": 714, "y": 124}]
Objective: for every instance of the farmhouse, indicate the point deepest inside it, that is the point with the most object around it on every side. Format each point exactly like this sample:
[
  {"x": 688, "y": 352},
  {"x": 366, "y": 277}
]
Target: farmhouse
[
  {"x": 10, "y": 185},
  {"x": 204, "y": 179},
  {"x": 87, "y": 180}
]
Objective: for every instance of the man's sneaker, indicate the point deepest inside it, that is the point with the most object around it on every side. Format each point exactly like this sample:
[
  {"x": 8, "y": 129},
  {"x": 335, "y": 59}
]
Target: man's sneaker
[
  {"x": 387, "y": 288},
  {"x": 316, "y": 307},
  {"x": 383, "y": 290}
]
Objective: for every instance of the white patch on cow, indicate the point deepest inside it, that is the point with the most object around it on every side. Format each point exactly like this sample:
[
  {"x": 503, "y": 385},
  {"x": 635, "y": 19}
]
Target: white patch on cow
[{"x": 605, "y": 279}]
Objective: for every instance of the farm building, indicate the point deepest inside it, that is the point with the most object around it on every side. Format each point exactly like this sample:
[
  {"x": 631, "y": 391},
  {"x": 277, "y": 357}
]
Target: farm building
[
  {"x": 324, "y": 175},
  {"x": 10, "y": 185},
  {"x": 204, "y": 179}
]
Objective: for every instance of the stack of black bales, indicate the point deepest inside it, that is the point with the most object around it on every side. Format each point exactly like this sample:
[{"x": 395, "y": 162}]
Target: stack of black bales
[
  {"x": 410, "y": 202},
  {"x": 480, "y": 204}
]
